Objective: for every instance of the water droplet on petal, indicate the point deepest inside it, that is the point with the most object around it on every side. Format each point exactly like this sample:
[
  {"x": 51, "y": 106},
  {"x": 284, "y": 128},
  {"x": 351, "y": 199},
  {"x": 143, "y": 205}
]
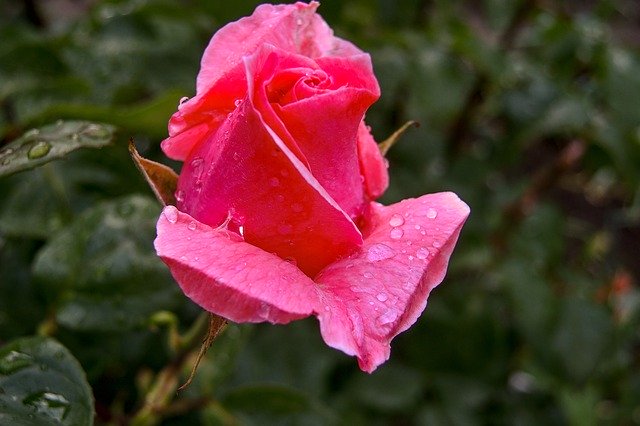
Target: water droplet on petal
[
  {"x": 368, "y": 275},
  {"x": 179, "y": 196},
  {"x": 327, "y": 308},
  {"x": 241, "y": 231},
  {"x": 197, "y": 164},
  {"x": 379, "y": 252},
  {"x": 182, "y": 101},
  {"x": 171, "y": 213},
  {"x": 432, "y": 213},
  {"x": 422, "y": 253},
  {"x": 382, "y": 297},
  {"x": 417, "y": 227},
  {"x": 274, "y": 181},
  {"x": 237, "y": 102},
  {"x": 396, "y": 233},
  {"x": 192, "y": 225},
  {"x": 396, "y": 220},
  {"x": 39, "y": 150},
  {"x": 436, "y": 244},
  {"x": 388, "y": 317}
]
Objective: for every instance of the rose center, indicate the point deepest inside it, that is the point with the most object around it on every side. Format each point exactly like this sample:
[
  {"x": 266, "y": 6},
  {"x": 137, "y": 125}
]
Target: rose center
[{"x": 297, "y": 84}]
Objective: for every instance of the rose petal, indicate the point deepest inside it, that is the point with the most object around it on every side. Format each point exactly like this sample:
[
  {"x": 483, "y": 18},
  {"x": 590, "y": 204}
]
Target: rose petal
[
  {"x": 179, "y": 146},
  {"x": 294, "y": 28},
  {"x": 372, "y": 164},
  {"x": 247, "y": 172},
  {"x": 369, "y": 298},
  {"x": 335, "y": 163},
  {"x": 229, "y": 277}
]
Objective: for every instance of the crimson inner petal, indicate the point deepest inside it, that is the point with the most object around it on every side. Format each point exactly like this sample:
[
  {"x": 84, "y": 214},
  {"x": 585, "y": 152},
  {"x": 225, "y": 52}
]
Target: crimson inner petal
[{"x": 293, "y": 85}]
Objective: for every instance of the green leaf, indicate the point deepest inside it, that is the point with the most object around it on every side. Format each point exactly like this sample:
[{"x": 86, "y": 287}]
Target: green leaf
[
  {"x": 102, "y": 270},
  {"x": 39, "y": 146},
  {"x": 42, "y": 383}
]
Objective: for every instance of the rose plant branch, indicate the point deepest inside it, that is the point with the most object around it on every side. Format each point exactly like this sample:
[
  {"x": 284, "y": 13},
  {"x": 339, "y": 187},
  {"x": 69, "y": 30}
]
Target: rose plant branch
[{"x": 165, "y": 385}]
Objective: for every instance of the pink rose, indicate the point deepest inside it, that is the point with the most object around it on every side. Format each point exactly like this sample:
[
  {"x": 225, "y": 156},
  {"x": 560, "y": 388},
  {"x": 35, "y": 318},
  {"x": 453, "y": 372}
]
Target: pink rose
[{"x": 275, "y": 218}]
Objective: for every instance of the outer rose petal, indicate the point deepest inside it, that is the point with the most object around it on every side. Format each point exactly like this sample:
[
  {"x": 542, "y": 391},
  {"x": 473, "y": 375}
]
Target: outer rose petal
[
  {"x": 369, "y": 298},
  {"x": 229, "y": 277},
  {"x": 372, "y": 164},
  {"x": 247, "y": 172}
]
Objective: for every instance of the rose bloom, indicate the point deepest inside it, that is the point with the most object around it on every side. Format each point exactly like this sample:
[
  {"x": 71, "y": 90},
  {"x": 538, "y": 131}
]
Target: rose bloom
[{"x": 275, "y": 217}]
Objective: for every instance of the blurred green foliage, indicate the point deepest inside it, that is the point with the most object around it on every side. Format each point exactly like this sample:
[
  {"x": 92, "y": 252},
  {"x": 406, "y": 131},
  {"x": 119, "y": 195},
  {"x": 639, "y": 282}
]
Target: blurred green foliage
[{"x": 529, "y": 110}]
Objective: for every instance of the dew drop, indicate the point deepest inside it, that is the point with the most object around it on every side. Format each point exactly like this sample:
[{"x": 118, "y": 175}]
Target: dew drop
[
  {"x": 410, "y": 257},
  {"x": 237, "y": 102},
  {"x": 368, "y": 275},
  {"x": 94, "y": 131},
  {"x": 432, "y": 213},
  {"x": 171, "y": 213},
  {"x": 236, "y": 156},
  {"x": 422, "y": 253},
  {"x": 379, "y": 252},
  {"x": 182, "y": 102},
  {"x": 197, "y": 164},
  {"x": 327, "y": 308},
  {"x": 388, "y": 317},
  {"x": 436, "y": 244},
  {"x": 14, "y": 361},
  {"x": 274, "y": 181},
  {"x": 396, "y": 220},
  {"x": 417, "y": 227},
  {"x": 396, "y": 233},
  {"x": 39, "y": 150},
  {"x": 241, "y": 231},
  {"x": 382, "y": 297},
  {"x": 192, "y": 225},
  {"x": 50, "y": 404}
]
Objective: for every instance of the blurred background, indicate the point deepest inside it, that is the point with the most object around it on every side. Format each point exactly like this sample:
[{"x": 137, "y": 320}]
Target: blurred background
[{"x": 529, "y": 110}]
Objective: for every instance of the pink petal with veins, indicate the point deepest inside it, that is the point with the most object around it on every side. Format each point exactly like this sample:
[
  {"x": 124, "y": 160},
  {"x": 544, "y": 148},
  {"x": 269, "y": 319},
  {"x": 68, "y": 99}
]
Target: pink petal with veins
[
  {"x": 227, "y": 276},
  {"x": 369, "y": 298}
]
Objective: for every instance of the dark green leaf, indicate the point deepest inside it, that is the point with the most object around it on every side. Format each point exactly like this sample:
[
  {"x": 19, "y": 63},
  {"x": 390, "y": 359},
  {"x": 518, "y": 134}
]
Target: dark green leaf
[
  {"x": 39, "y": 146},
  {"x": 41, "y": 383},
  {"x": 103, "y": 271}
]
